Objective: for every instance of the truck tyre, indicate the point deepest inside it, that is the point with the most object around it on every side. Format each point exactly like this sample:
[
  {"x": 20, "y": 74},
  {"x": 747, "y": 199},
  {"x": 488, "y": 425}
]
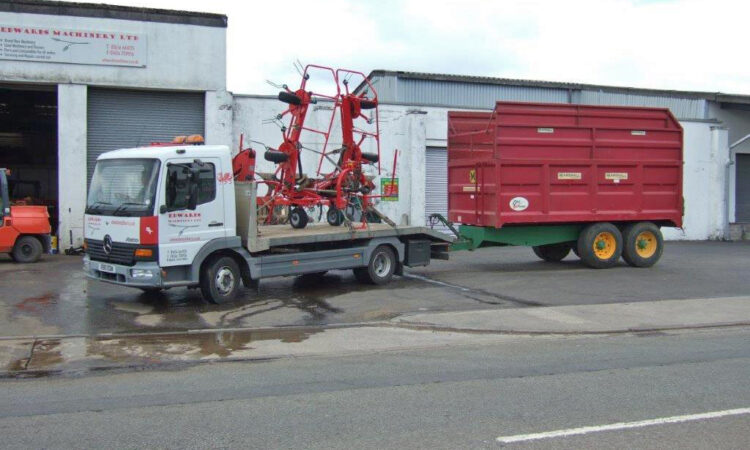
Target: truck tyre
[
  {"x": 380, "y": 268},
  {"x": 27, "y": 249},
  {"x": 643, "y": 244},
  {"x": 334, "y": 216},
  {"x": 298, "y": 218},
  {"x": 600, "y": 245},
  {"x": 552, "y": 252},
  {"x": 220, "y": 280}
]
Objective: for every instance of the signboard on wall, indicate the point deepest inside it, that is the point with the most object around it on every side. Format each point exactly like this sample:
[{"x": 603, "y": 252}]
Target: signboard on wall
[
  {"x": 389, "y": 189},
  {"x": 43, "y": 44}
]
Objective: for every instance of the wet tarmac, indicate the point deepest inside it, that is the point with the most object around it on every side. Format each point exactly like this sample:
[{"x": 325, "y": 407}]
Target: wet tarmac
[{"x": 53, "y": 298}]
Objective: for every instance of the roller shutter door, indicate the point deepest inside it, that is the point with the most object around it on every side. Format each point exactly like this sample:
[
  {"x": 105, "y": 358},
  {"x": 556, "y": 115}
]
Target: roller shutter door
[
  {"x": 436, "y": 184},
  {"x": 125, "y": 119},
  {"x": 742, "y": 189}
]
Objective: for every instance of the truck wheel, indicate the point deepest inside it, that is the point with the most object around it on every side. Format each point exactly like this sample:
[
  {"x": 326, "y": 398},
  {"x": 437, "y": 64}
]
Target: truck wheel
[
  {"x": 334, "y": 216},
  {"x": 600, "y": 245},
  {"x": 220, "y": 280},
  {"x": 380, "y": 268},
  {"x": 552, "y": 252},
  {"x": 298, "y": 218},
  {"x": 27, "y": 249},
  {"x": 643, "y": 244}
]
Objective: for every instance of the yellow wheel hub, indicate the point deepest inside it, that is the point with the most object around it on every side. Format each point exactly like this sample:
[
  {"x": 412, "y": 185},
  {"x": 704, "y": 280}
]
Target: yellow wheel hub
[
  {"x": 645, "y": 244},
  {"x": 605, "y": 245}
]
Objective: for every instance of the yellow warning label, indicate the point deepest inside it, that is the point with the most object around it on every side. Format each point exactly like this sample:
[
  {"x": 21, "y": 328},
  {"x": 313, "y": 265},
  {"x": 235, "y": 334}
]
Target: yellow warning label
[
  {"x": 616, "y": 175},
  {"x": 569, "y": 175},
  {"x": 473, "y": 176}
]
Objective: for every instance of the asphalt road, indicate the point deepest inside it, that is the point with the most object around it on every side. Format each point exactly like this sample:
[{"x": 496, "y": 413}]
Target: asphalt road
[
  {"x": 53, "y": 298},
  {"x": 451, "y": 397}
]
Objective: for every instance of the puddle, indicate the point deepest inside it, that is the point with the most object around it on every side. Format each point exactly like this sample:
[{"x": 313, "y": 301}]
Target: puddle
[{"x": 72, "y": 354}]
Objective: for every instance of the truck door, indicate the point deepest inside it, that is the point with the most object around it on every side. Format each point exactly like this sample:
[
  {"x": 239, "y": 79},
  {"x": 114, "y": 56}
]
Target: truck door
[{"x": 183, "y": 232}]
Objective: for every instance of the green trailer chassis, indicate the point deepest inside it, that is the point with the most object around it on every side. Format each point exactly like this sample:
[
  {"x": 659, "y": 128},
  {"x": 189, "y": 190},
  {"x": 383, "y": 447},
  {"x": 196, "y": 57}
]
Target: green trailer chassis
[{"x": 471, "y": 237}]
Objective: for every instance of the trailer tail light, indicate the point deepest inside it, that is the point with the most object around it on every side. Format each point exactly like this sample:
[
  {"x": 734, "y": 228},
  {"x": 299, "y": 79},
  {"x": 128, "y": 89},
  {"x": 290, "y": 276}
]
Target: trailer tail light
[
  {"x": 85, "y": 246},
  {"x": 144, "y": 253}
]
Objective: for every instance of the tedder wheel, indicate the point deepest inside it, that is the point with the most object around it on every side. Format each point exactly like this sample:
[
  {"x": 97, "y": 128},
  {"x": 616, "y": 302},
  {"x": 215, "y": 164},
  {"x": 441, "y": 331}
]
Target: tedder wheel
[
  {"x": 334, "y": 216},
  {"x": 380, "y": 268},
  {"x": 220, "y": 279},
  {"x": 298, "y": 218},
  {"x": 552, "y": 252},
  {"x": 642, "y": 244},
  {"x": 600, "y": 245},
  {"x": 27, "y": 249}
]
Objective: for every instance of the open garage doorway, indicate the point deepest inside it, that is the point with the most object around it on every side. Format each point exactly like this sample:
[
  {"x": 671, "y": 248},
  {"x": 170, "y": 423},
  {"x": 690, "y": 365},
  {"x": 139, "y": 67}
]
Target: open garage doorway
[{"x": 28, "y": 144}]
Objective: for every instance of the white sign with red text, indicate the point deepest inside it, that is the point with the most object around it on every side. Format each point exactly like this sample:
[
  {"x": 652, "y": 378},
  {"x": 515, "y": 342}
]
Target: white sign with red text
[{"x": 95, "y": 47}]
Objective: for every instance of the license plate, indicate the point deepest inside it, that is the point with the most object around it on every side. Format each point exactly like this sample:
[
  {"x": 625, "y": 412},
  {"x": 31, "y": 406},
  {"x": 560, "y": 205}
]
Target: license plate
[{"x": 109, "y": 268}]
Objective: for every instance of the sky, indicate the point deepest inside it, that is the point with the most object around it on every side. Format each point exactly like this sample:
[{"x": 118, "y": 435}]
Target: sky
[{"x": 661, "y": 44}]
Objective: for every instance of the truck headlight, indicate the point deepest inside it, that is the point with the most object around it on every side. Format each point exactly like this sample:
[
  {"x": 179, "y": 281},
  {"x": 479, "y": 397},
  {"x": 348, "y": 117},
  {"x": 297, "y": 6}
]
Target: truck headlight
[{"x": 141, "y": 274}]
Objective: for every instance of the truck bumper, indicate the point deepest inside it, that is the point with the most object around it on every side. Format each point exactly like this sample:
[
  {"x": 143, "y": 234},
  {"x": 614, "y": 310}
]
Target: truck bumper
[{"x": 141, "y": 275}]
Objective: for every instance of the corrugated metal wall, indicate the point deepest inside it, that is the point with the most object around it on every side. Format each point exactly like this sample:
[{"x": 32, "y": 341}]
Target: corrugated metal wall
[
  {"x": 460, "y": 94},
  {"x": 683, "y": 108},
  {"x": 470, "y": 95}
]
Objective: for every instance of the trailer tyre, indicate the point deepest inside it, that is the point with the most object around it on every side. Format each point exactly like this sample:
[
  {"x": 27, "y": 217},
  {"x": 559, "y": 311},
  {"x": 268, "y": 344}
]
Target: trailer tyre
[
  {"x": 552, "y": 252},
  {"x": 220, "y": 279},
  {"x": 643, "y": 244},
  {"x": 380, "y": 268},
  {"x": 600, "y": 245},
  {"x": 27, "y": 249},
  {"x": 298, "y": 218}
]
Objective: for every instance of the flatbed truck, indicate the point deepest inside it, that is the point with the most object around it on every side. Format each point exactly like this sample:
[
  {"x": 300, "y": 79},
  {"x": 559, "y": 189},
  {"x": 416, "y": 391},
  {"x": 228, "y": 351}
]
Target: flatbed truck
[{"x": 169, "y": 216}]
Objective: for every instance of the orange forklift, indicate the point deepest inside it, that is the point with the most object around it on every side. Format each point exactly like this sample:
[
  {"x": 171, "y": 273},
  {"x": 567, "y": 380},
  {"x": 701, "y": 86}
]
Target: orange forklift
[{"x": 24, "y": 230}]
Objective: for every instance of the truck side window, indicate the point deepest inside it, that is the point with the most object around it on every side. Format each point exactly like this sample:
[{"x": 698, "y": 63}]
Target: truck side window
[{"x": 178, "y": 185}]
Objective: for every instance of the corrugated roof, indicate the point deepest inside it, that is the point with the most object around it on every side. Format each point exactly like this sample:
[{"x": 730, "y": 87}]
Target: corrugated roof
[{"x": 713, "y": 96}]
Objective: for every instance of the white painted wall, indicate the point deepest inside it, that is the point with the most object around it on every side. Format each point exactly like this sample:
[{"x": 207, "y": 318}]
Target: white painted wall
[
  {"x": 71, "y": 157},
  {"x": 413, "y": 128},
  {"x": 706, "y": 150},
  {"x": 218, "y": 126},
  {"x": 180, "y": 56}
]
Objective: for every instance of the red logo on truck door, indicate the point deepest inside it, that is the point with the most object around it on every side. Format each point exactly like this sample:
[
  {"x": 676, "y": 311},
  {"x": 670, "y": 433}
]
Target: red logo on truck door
[{"x": 149, "y": 230}]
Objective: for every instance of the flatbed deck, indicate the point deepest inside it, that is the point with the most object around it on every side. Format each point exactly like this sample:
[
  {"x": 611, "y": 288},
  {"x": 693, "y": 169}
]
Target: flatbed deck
[{"x": 283, "y": 235}]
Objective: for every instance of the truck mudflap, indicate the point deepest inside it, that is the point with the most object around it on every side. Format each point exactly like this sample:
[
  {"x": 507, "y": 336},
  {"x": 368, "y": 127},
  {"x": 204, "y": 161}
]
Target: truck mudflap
[{"x": 143, "y": 274}]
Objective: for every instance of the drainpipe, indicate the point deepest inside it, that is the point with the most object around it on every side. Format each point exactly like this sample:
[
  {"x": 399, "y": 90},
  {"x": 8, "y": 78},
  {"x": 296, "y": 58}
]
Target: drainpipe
[{"x": 729, "y": 165}]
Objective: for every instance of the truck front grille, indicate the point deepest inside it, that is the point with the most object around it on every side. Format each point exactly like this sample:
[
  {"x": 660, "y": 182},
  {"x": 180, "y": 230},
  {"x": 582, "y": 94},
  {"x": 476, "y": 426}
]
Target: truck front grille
[{"x": 121, "y": 253}]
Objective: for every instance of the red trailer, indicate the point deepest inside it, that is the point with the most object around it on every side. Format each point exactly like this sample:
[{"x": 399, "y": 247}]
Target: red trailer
[{"x": 604, "y": 178}]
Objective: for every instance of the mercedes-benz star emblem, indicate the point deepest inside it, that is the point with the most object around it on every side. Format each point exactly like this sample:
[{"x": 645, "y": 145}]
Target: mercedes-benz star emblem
[{"x": 107, "y": 244}]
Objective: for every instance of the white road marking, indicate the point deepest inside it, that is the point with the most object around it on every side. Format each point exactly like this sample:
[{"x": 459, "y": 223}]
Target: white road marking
[{"x": 622, "y": 426}]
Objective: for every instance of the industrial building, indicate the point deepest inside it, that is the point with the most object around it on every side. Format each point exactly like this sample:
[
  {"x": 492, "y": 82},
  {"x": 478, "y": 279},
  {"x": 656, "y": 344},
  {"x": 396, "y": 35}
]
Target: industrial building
[
  {"x": 80, "y": 79},
  {"x": 77, "y": 80}
]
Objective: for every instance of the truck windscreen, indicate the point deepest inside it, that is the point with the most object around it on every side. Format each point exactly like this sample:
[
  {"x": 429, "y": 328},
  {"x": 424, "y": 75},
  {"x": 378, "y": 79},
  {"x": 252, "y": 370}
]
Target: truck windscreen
[{"x": 123, "y": 187}]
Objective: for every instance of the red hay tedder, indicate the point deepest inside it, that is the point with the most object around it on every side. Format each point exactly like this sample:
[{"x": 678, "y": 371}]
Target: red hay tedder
[{"x": 346, "y": 190}]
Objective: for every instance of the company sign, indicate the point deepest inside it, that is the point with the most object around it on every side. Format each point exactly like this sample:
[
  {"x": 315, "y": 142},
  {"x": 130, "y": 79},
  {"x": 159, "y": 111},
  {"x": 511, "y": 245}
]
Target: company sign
[{"x": 95, "y": 47}]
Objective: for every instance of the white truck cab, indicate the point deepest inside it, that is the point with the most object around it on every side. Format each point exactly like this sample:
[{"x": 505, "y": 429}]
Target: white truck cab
[{"x": 167, "y": 216}]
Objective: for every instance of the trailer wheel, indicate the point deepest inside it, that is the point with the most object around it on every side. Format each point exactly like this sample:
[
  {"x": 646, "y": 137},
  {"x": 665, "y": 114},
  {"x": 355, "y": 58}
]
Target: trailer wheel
[
  {"x": 600, "y": 245},
  {"x": 380, "y": 268},
  {"x": 27, "y": 249},
  {"x": 552, "y": 252},
  {"x": 643, "y": 244},
  {"x": 220, "y": 279},
  {"x": 334, "y": 216},
  {"x": 298, "y": 218}
]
